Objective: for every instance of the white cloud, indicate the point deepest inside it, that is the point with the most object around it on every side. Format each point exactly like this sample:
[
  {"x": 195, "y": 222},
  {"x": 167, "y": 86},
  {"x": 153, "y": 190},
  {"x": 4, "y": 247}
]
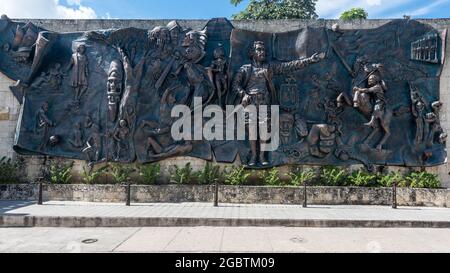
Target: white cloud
[
  {"x": 374, "y": 2},
  {"x": 74, "y": 2},
  {"x": 327, "y": 9},
  {"x": 46, "y": 9},
  {"x": 375, "y": 8},
  {"x": 428, "y": 8}
]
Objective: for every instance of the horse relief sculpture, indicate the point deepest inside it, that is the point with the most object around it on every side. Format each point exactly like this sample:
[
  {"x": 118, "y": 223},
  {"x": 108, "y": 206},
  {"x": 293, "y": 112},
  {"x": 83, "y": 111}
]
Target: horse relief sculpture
[{"x": 334, "y": 97}]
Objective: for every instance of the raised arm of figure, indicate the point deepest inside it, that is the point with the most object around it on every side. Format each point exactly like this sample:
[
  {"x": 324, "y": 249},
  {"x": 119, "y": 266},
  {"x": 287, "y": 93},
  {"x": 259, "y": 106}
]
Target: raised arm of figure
[{"x": 292, "y": 66}]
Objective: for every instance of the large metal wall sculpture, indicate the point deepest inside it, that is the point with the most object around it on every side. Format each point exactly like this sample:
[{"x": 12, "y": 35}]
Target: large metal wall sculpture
[{"x": 346, "y": 96}]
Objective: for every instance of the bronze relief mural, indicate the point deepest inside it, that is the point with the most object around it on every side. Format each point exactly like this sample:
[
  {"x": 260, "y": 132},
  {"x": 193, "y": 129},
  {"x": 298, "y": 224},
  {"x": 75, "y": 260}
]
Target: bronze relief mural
[{"x": 366, "y": 96}]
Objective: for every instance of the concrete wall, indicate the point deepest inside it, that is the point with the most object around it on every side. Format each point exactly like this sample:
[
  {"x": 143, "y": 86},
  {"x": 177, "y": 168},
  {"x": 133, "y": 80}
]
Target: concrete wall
[
  {"x": 9, "y": 107},
  {"x": 9, "y": 113}
]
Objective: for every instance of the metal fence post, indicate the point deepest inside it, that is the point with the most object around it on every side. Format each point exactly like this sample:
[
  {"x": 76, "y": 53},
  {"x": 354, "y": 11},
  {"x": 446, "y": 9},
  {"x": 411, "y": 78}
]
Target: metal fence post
[
  {"x": 394, "y": 195},
  {"x": 40, "y": 198},
  {"x": 216, "y": 192},
  {"x": 305, "y": 195},
  {"x": 128, "y": 192}
]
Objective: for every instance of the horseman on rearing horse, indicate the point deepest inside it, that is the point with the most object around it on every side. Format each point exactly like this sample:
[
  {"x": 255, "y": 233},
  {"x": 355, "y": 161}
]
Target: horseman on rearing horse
[{"x": 370, "y": 101}]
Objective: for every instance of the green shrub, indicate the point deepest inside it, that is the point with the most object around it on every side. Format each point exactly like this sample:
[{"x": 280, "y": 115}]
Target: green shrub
[
  {"x": 362, "y": 178},
  {"x": 10, "y": 170},
  {"x": 271, "y": 177},
  {"x": 149, "y": 173},
  {"x": 60, "y": 173},
  {"x": 121, "y": 173},
  {"x": 91, "y": 176},
  {"x": 387, "y": 180},
  {"x": 208, "y": 174},
  {"x": 300, "y": 177},
  {"x": 423, "y": 180},
  {"x": 237, "y": 176},
  {"x": 183, "y": 175},
  {"x": 332, "y": 176}
]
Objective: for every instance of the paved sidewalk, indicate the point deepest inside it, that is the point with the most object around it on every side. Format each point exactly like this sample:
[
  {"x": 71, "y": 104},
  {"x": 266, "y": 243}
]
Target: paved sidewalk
[{"x": 80, "y": 214}]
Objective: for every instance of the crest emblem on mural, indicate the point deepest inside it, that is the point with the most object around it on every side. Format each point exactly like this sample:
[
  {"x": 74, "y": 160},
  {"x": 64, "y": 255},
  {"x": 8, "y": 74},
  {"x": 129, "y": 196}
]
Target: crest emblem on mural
[{"x": 289, "y": 98}]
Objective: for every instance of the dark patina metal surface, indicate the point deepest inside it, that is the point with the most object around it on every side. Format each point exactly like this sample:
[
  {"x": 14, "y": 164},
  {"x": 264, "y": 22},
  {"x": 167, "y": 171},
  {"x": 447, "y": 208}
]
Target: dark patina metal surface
[{"x": 368, "y": 96}]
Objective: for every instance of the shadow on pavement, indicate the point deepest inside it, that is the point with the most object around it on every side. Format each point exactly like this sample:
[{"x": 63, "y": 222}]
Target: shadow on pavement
[{"x": 7, "y": 206}]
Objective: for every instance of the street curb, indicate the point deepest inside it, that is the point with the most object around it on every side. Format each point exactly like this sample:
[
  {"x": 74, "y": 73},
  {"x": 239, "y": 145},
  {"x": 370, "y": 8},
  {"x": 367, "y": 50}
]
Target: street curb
[{"x": 78, "y": 222}]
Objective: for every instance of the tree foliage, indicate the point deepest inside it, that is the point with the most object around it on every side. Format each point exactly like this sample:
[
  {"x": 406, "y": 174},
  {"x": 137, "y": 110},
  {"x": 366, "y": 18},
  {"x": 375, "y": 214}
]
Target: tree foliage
[
  {"x": 354, "y": 14},
  {"x": 277, "y": 9}
]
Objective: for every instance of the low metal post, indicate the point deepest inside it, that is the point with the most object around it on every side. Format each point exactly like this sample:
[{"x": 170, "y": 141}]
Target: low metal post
[
  {"x": 216, "y": 193},
  {"x": 305, "y": 194},
  {"x": 128, "y": 185},
  {"x": 40, "y": 198},
  {"x": 394, "y": 195}
]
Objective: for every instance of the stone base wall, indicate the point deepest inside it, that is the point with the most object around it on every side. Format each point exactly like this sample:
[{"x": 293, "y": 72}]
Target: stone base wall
[
  {"x": 230, "y": 194},
  {"x": 9, "y": 114},
  {"x": 9, "y": 106}
]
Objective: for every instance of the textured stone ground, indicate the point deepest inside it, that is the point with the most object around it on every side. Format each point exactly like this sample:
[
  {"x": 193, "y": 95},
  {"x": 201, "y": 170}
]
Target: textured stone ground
[
  {"x": 224, "y": 211},
  {"x": 224, "y": 239}
]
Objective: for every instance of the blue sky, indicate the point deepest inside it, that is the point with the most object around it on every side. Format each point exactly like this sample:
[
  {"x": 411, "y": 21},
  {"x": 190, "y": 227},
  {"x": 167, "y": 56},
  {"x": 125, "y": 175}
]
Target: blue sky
[
  {"x": 205, "y": 9},
  {"x": 162, "y": 9}
]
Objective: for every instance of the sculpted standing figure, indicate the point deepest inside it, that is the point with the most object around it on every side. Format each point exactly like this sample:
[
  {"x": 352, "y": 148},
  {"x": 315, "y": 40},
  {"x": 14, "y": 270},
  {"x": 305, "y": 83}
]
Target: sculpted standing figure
[
  {"x": 77, "y": 136},
  {"x": 418, "y": 111},
  {"x": 436, "y": 129},
  {"x": 218, "y": 72},
  {"x": 80, "y": 72},
  {"x": 121, "y": 137},
  {"x": 194, "y": 45},
  {"x": 254, "y": 83},
  {"x": 133, "y": 76},
  {"x": 43, "y": 124}
]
